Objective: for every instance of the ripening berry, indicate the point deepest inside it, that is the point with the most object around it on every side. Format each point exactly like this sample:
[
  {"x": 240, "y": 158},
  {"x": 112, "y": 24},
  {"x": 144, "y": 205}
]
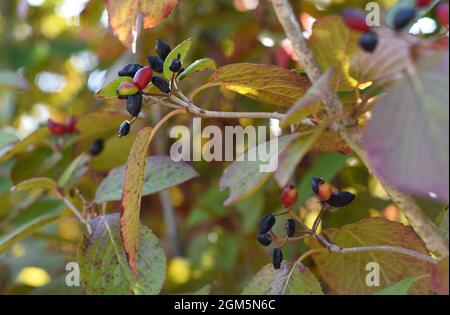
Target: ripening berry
[
  {"x": 143, "y": 77},
  {"x": 71, "y": 125},
  {"x": 277, "y": 258},
  {"x": 96, "y": 147},
  {"x": 134, "y": 104},
  {"x": 442, "y": 13},
  {"x": 325, "y": 191},
  {"x": 126, "y": 89},
  {"x": 266, "y": 223},
  {"x": 423, "y": 3},
  {"x": 129, "y": 70},
  {"x": 340, "y": 199},
  {"x": 355, "y": 19},
  {"x": 404, "y": 17},
  {"x": 162, "y": 49},
  {"x": 56, "y": 128},
  {"x": 264, "y": 239},
  {"x": 368, "y": 41},
  {"x": 175, "y": 64},
  {"x": 124, "y": 128},
  {"x": 156, "y": 63},
  {"x": 290, "y": 227},
  {"x": 289, "y": 196},
  {"x": 161, "y": 84}
]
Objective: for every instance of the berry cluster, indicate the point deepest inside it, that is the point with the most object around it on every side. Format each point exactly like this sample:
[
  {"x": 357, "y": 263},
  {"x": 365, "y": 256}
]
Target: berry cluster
[
  {"x": 329, "y": 197},
  {"x": 60, "y": 129},
  {"x": 355, "y": 19},
  {"x": 140, "y": 77}
]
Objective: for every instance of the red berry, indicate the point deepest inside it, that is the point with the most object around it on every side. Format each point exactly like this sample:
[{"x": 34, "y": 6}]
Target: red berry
[
  {"x": 442, "y": 13},
  {"x": 288, "y": 196},
  {"x": 142, "y": 77},
  {"x": 325, "y": 191},
  {"x": 126, "y": 89},
  {"x": 55, "y": 128},
  {"x": 355, "y": 19},
  {"x": 423, "y": 3},
  {"x": 71, "y": 125}
]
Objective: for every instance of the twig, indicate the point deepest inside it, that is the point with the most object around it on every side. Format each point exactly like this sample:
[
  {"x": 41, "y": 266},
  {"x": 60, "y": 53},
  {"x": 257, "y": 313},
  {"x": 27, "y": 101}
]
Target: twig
[{"x": 335, "y": 110}]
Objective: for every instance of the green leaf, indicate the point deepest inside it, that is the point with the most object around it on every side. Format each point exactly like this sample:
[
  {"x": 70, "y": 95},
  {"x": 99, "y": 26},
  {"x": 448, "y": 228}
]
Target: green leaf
[
  {"x": 346, "y": 273},
  {"x": 414, "y": 111},
  {"x": 73, "y": 170},
  {"x": 25, "y": 230},
  {"x": 269, "y": 84},
  {"x": 290, "y": 279},
  {"x": 12, "y": 79},
  {"x": 33, "y": 183},
  {"x": 123, "y": 16},
  {"x": 197, "y": 66},
  {"x": 442, "y": 223},
  {"x": 245, "y": 176},
  {"x": 182, "y": 49},
  {"x": 109, "y": 90},
  {"x": 103, "y": 264},
  {"x": 310, "y": 102},
  {"x": 131, "y": 196},
  {"x": 36, "y": 137},
  {"x": 439, "y": 277},
  {"x": 400, "y": 288},
  {"x": 161, "y": 173},
  {"x": 332, "y": 43}
]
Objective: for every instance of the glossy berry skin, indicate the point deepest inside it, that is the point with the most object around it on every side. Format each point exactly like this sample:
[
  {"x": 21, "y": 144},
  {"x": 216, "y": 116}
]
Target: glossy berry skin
[
  {"x": 163, "y": 49},
  {"x": 404, "y": 17},
  {"x": 277, "y": 258},
  {"x": 290, "y": 227},
  {"x": 423, "y": 3},
  {"x": 368, "y": 41},
  {"x": 143, "y": 77},
  {"x": 340, "y": 199},
  {"x": 124, "y": 128},
  {"x": 288, "y": 196},
  {"x": 96, "y": 147},
  {"x": 126, "y": 89},
  {"x": 266, "y": 223},
  {"x": 129, "y": 70},
  {"x": 325, "y": 191},
  {"x": 175, "y": 64},
  {"x": 264, "y": 239},
  {"x": 161, "y": 84},
  {"x": 56, "y": 128},
  {"x": 71, "y": 125},
  {"x": 442, "y": 13},
  {"x": 134, "y": 104},
  {"x": 355, "y": 19},
  {"x": 315, "y": 183},
  {"x": 156, "y": 63}
]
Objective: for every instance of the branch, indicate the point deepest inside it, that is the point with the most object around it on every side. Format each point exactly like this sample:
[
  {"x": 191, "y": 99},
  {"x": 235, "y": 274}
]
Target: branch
[{"x": 335, "y": 110}]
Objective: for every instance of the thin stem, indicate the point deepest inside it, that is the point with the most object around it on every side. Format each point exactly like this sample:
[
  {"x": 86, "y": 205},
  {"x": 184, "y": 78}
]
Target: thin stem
[{"x": 74, "y": 210}]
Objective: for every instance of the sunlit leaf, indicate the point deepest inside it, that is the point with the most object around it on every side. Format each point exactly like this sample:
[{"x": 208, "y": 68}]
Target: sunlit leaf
[
  {"x": 182, "y": 49},
  {"x": 39, "y": 182},
  {"x": 400, "y": 288},
  {"x": 407, "y": 136},
  {"x": 346, "y": 273},
  {"x": 103, "y": 263},
  {"x": 123, "y": 16},
  {"x": 290, "y": 279},
  {"x": 161, "y": 173},
  {"x": 109, "y": 90},
  {"x": 197, "y": 66},
  {"x": 13, "y": 148},
  {"x": 442, "y": 223}
]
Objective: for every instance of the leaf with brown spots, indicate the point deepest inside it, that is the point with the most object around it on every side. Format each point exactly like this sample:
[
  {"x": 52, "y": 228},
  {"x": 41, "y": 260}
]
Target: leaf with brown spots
[
  {"x": 123, "y": 16},
  {"x": 269, "y": 84},
  {"x": 346, "y": 273}
]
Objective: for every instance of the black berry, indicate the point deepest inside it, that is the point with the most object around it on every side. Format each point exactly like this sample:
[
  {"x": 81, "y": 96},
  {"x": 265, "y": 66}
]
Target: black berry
[
  {"x": 134, "y": 104},
  {"x": 129, "y": 70},
  {"x": 162, "y": 49},
  {"x": 403, "y": 17},
  {"x": 156, "y": 63},
  {"x": 340, "y": 199},
  {"x": 264, "y": 239},
  {"x": 277, "y": 258},
  {"x": 368, "y": 41},
  {"x": 175, "y": 64},
  {"x": 290, "y": 227},
  {"x": 96, "y": 147},
  {"x": 124, "y": 128},
  {"x": 161, "y": 83},
  {"x": 266, "y": 223}
]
